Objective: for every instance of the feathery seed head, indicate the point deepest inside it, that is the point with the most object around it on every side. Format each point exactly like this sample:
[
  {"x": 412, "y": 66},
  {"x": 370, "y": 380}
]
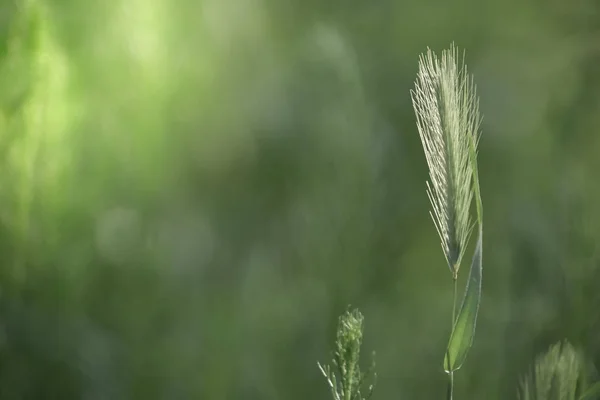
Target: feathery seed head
[
  {"x": 448, "y": 120},
  {"x": 349, "y": 381},
  {"x": 556, "y": 375}
]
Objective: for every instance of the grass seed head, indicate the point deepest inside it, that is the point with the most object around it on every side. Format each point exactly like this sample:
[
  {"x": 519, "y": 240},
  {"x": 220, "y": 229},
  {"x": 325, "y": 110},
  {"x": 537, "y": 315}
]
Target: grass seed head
[{"x": 448, "y": 119}]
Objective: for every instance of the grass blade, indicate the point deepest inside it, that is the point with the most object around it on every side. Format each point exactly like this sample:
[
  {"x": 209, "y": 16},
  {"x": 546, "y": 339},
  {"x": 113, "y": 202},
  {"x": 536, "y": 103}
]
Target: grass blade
[{"x": 463, "y": 332}]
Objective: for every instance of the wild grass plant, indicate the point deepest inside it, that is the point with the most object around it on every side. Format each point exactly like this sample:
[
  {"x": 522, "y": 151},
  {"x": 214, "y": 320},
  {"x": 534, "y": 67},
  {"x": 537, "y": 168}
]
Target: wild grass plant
[
  {"x": 559, "y": 374},
  {"x": 345, "y": 378},
  {"x": 448, "y": 122}
]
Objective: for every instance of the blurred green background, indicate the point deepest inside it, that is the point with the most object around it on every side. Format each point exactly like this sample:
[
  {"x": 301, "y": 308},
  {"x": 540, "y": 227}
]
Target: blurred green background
[{"x": 191, "y": 192}]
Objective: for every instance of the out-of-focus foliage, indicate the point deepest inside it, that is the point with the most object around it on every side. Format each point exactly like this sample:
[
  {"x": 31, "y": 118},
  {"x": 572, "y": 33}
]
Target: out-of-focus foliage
[
  {"x": 192, "y": 191},
  {"x": 559, "y": 373}
]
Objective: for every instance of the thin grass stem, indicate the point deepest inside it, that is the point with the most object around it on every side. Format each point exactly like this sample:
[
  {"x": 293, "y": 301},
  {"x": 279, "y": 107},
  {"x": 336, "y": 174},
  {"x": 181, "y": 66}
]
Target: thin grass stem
[
  {"x": 454, "y": 294},
  {"x": 450, "y": 391},
  {"x": 451, "y": 373}
]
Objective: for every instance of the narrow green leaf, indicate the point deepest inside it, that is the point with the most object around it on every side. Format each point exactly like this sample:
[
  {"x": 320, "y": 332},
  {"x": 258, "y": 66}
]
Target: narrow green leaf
[
  {"x": 593, "y": 393},
  {"x": 463, "y": 332}
]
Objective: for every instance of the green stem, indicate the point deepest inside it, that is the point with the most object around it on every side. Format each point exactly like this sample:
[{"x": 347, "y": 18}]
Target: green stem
[
  {"x": 451, "y": 373},
  {"x": 450, "y": 391},
  {"x": 455, "y": 279}
]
